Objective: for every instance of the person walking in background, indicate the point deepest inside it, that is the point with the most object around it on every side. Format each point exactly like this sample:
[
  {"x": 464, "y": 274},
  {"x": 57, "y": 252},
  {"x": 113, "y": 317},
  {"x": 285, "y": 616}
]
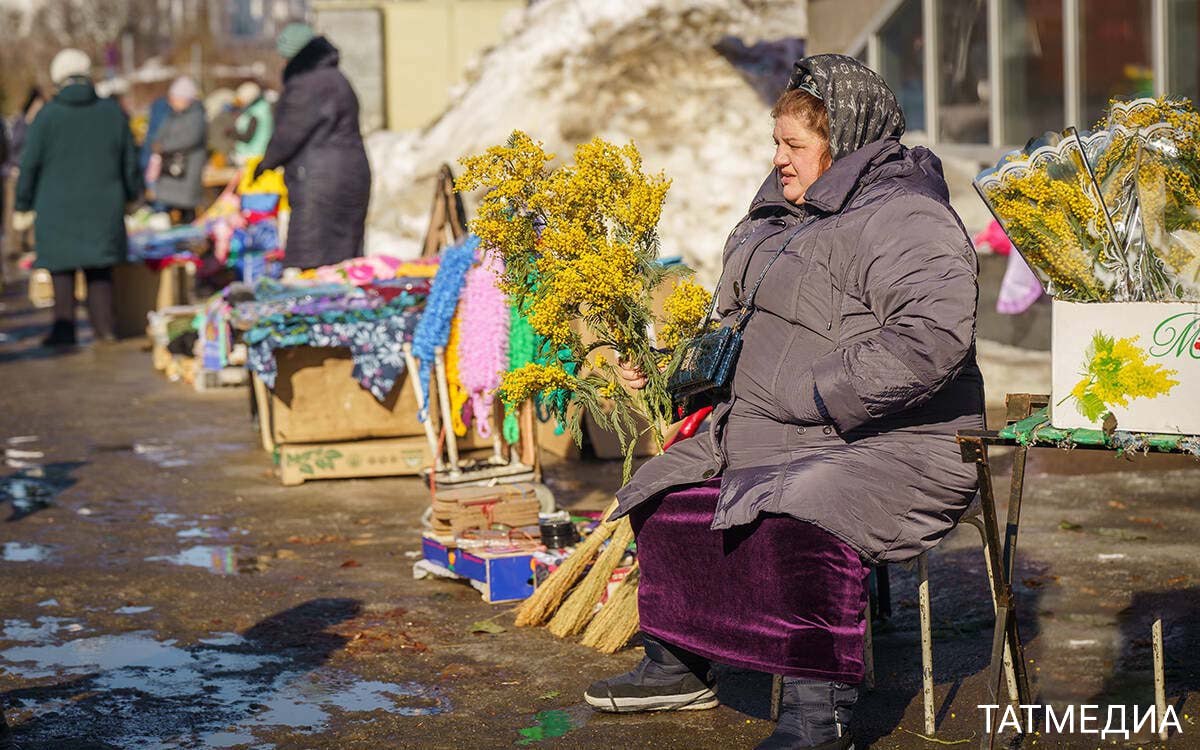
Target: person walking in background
[
  {"x": 318, "y": 143},
  {"x": 16, "y": 244},
  {"x": 182, "y": 145},
  {"x": 155, "y": 118},
  {"x": 254, "y": 125},
  {"x": 78, "y": 170},
  {"x": 220, "y": 107}
]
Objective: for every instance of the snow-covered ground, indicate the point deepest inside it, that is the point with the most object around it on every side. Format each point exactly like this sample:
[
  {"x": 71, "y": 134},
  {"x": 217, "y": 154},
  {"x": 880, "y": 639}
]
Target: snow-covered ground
[
  {"x": 646, "y": 70},
  {"x": 672, "y": 75}
]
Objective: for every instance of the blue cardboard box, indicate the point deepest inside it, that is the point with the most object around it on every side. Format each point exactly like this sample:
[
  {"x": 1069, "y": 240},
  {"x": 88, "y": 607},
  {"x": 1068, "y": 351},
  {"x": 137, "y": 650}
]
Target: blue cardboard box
[{"x": 506, "y": 577}]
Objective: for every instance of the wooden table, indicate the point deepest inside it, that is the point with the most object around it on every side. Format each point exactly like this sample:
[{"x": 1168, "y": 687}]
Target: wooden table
[{"x": 1028, "y": 426}]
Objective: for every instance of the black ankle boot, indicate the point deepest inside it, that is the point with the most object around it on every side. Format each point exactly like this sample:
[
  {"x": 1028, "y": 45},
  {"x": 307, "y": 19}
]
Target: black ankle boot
[
  {"x": 62, "y": 333},
  {"x": 668, "y": 679},
  {"x": 815, "y": 716}
]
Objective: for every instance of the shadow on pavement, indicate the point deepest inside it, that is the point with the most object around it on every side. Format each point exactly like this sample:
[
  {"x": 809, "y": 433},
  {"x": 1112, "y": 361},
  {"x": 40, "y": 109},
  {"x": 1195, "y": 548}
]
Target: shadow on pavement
[
  {"x": 30, "y": 492},
  {"x": 961, "y": 628},
  {"x": 140, "y": 692},
  {"x": 1132, "y": 683}
]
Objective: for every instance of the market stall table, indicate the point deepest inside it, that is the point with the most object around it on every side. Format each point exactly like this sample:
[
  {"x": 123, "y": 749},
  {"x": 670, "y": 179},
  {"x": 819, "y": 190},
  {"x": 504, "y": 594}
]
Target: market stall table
[{"x": 1028, "y": 426}]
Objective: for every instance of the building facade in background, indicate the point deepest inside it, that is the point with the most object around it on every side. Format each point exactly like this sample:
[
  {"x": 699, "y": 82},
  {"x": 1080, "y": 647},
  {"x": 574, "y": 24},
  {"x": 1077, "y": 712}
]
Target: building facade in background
[
  {"x": 404, "y": 57},
  {"x": 994, "y": 73}
]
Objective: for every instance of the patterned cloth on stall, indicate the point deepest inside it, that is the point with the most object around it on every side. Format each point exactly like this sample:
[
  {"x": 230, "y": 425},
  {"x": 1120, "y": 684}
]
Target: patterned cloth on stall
[
  {"x": 372, "y": 268},
  {"x": 152, "y": 245},
  {"x": 434, "y": 329},
  {"x": 373, "y": 322}
]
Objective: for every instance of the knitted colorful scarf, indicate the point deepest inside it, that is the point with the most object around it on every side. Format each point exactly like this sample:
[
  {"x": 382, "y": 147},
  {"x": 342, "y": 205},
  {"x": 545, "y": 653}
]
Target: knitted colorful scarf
[
  {"x": 483, "y": 345},
  {"x": 434, "y": 329},
  {"x": 522, "y": 348}
]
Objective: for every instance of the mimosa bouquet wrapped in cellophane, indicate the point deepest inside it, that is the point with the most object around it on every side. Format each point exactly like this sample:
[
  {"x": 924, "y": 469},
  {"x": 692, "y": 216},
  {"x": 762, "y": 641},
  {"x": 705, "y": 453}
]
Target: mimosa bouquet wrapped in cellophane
[
  {"x": 1152, "y": 161},
  {"x": 1111, "y": 216},
  {"x": 579, "y": 246}
]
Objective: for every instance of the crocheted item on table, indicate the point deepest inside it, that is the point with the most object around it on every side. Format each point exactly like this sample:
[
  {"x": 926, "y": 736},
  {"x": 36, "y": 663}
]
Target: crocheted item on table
[
  {"x": 433, "y": 331},
  {"x": 359, "y": 271},
  {"x": 375, "y": 337},
  {"x": 522, "y": 348},
  {"x": 458, "y": 394}
]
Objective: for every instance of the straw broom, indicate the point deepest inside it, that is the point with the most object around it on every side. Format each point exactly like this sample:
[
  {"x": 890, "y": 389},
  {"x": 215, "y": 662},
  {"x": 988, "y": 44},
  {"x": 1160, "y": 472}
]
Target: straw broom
[
  {"x": 541, "y": 606},
  {"x": 617, "y": 622},
  {"x": 579, "y": 608}
]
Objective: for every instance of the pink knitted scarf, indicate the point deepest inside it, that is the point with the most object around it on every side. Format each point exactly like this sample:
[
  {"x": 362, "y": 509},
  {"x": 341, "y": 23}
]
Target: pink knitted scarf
[{"x": 483, "y": 346}]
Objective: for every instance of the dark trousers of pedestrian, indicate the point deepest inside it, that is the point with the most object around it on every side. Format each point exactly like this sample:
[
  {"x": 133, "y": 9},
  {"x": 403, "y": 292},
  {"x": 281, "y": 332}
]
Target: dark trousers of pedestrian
[{"x": 99, "y": 305}]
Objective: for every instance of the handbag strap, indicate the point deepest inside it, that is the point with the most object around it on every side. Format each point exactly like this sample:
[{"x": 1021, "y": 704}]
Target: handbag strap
[
  {"x": 712, "y": 305},
  {"x": 748, "y": 308}
]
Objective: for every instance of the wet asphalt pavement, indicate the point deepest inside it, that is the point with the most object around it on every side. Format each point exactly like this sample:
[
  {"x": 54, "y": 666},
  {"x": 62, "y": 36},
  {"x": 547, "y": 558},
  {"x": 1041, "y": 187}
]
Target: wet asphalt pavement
[{"x": 161, "y": 589}]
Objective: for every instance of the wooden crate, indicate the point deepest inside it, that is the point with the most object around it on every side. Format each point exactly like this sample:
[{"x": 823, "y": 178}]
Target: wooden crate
[
  {"x": 387, "y": 457},
  {"x": 316, "y": 399},
  {"x": 138, "y": 289},
  {"x": 226, "y": 377}
]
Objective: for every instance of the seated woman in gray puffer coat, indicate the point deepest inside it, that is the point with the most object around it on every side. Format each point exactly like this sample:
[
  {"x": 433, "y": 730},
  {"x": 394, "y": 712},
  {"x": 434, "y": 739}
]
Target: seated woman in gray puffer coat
[{"x": 836, "y": 447}]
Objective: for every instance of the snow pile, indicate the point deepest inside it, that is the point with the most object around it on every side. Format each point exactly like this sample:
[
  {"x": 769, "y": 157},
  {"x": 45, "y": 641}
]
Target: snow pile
[{"x": 659, "y": 72}]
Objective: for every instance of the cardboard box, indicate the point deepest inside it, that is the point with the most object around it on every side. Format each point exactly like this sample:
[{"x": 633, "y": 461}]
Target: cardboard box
[
  {"x": 1145, "y": 354},
  {"x": 606, "y": 445},
  {"x": 604, "y": 442},
  {"x": 137, "y": 290},
  {"x": 362, "y": 458},
  {"x": 317, "y": 399},
  {"x": 506, "y": 576}
]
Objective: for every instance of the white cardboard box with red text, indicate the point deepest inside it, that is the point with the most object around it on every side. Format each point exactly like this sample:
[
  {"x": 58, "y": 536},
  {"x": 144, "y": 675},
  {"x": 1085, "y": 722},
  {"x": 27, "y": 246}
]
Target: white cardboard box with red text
[{"x": 1139, "y": 361}]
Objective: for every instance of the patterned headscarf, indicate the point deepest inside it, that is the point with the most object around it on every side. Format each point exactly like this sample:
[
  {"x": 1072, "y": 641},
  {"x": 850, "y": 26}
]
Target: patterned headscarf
[{"x": 862, "y": 109}]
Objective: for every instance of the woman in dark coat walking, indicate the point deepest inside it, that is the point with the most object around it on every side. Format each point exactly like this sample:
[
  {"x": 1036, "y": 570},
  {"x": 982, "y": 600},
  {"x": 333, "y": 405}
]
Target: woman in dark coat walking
[
  {"x": 78, "y": 170},
  {"x": 836, "y": 446},
  {"x": 318, "y": 144}
]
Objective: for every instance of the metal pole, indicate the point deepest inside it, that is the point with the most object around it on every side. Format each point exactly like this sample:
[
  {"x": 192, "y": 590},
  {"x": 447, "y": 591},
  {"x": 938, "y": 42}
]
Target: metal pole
[
  {"x": 1158, "y": 46},
  {"x": 1072, "y": 49},
  {"x": 1160, "y": 680},
  {"x": 926, "y": 643},
  {"x": 929, "y": 30},
  {"x": 996, "y": 73}
]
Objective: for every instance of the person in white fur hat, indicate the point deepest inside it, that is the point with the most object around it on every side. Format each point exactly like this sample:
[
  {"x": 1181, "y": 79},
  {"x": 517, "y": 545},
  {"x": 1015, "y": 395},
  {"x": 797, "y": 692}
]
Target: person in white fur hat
[{"x": 78, "y": 170}]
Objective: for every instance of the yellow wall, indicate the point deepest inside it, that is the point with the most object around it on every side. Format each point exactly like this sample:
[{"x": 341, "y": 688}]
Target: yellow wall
[{"x": 427, "y": 44}]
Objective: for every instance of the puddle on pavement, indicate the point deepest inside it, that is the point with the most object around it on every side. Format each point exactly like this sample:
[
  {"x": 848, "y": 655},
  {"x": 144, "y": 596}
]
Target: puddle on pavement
[
  {"x": 166, "y": 519},
  {"x": 163, "y": 455},
  {"x": 221, "y": 560},
  {"x": 21, "y": 552},
  {"x": 33, "y": 486},
  {"x": 43, "y": 629},
  {"x": 553, "y": 723},
  {"x": 26, "y": 492},
  {"x": 139, "y": 692},
  {"x": 209, "y": 532}
]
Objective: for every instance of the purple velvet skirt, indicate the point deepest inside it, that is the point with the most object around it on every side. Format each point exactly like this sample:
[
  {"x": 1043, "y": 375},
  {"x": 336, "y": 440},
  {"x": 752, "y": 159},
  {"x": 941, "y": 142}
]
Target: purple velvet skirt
[{"x": 779, "y": 595}]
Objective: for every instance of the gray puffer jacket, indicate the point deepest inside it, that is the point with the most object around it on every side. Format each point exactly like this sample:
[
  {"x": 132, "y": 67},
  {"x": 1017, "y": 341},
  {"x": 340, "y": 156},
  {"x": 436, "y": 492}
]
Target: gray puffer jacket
[{"x": 858, "y": 367}]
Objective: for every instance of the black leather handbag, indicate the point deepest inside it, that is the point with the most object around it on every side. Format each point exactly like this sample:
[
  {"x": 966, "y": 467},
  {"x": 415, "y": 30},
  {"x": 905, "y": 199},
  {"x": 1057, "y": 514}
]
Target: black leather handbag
[
  {"x": 175, "y": 164},
  {"x": 707, "y": 361}
]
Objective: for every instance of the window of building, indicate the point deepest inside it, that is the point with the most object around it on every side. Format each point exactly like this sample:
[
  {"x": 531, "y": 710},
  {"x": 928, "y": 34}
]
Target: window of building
[
  {"x": 901, "y": 61},
  {"x": 964, "y": 88},
  {"x": 1183, "y": 48},
  {"x": 1115, "y": 54},
  {"x": 1031, "y": 50}
]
